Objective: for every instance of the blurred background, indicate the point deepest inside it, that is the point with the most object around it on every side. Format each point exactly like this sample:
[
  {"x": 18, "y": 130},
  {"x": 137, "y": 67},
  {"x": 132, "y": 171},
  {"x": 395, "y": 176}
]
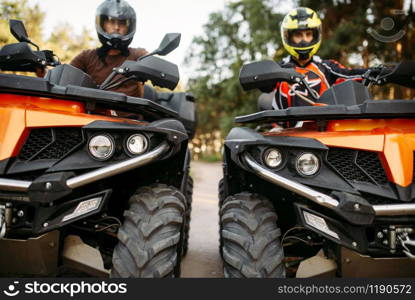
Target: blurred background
[{"x": 219, "y": 36}]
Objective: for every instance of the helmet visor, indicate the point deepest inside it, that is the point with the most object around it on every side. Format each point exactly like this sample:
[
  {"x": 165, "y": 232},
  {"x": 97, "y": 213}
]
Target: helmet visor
[
  {"x": 302, "y": 38},
  {"x": 115, "y": 25}
]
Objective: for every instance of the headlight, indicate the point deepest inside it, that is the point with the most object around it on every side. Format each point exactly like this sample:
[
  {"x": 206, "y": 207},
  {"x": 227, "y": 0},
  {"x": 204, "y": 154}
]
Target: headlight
[
  {"x": 307, "y": 164},
  {"x": 137, "y": 144},
  {"x": 273, "y": 158},
  {"x": 101, "y": 147}
]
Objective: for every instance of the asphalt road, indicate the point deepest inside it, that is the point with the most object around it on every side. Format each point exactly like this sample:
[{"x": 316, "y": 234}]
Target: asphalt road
[{"x": 202, "y": 259}]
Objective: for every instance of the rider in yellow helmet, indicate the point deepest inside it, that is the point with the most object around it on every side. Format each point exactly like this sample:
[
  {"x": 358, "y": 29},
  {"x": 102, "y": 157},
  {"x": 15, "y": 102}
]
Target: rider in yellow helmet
[{"x": 301, "y": 32}]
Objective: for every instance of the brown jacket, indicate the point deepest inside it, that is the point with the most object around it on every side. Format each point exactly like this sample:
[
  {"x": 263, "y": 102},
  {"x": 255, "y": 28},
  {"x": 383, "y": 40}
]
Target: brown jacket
[{"x": 89, "y": 62}]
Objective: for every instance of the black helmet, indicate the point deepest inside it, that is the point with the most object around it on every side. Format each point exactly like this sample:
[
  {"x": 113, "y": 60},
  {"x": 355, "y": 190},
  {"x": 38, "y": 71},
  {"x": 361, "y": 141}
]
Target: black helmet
[{"x": 115, "y": 11}]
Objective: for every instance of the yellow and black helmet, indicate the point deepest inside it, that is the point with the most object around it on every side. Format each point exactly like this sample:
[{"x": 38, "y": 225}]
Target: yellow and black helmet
[{"x": 301, "y": 18}]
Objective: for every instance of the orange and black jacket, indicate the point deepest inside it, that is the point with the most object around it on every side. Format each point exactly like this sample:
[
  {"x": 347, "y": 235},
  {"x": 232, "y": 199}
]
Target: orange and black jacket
[{"x": 320, "y": 75}]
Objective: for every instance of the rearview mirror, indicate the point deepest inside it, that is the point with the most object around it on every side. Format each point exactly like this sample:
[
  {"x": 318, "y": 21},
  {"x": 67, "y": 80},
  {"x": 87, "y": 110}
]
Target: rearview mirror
[
  {"x": 18, "y": 30},
  {"x": 170, "y": 42}
]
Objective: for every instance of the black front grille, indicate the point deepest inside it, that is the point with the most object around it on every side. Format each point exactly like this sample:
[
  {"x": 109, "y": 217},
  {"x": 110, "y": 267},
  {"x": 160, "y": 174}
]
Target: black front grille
[
  {"x": 354, "y": 165},
  {"x": 370, "y": 163},
  {"x": 38, "y": 140},
  {"x": 377, "y": 200},
  {"x": 50, "y": 143}
]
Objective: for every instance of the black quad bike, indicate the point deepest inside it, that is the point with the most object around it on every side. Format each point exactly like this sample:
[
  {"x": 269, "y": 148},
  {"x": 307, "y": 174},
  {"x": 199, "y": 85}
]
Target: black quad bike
[
  {"x": 330, "y": 194},
  {"x": 84, "y": 191}
]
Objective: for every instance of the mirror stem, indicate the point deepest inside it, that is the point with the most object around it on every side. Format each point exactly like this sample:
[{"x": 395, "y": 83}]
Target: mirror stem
[
  {"x": 145, "y": 56},
  {"x": 37, "y": 47},
  {"x": 108, "y": 80}
]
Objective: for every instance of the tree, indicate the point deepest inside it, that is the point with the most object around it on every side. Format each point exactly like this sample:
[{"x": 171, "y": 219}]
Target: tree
[
  {"x": 66, "y": 44},
  {"x": 246, "y": 30},
  {"x": 63, "y": 42},
  {"x": 32, "y": 16},
  {"x": 352, "y": 29}
]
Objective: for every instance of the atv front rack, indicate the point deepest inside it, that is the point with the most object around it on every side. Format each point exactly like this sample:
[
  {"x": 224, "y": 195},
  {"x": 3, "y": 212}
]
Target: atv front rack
[
  {"x": 370, "y": 109},
  {"x": 323, "y": 199},
  {"x": 32, "y": 86}
]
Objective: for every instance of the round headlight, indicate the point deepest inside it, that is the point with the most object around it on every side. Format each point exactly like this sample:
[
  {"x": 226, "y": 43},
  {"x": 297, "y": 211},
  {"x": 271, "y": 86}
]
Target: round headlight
[
  {"x": 307, "y": 164},
  {"x": 101, "y": 147},
  {"x": 137, "y": 144},
  {"x": 273, "y": 158}
]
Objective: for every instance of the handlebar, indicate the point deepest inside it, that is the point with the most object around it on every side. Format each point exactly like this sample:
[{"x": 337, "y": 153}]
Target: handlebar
[{"x": 20, "y": 57}]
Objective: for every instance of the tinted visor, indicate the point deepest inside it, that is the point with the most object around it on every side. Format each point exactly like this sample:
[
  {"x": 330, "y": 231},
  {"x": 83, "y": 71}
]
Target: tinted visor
[
  {"x": 117, "y": 25},
  {"x": 288, "y": 34}
]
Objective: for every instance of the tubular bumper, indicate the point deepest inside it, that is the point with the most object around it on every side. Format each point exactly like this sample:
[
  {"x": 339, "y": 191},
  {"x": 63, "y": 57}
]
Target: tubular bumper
[
  {"x": 320, "y": 198},
  {"x": 87, "y": 178}
]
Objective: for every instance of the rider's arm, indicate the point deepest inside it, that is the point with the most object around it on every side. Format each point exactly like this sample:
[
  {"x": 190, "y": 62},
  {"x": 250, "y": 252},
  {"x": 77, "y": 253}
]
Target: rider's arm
[
  {"x": 281, "y": 100},
  {"x": 337, "y": 72}
]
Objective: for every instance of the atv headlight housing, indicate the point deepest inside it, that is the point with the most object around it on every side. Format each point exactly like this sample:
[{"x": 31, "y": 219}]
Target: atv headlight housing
[
  {"x": 307, "y": 164},
  {"x": 101, "y": 147},
  {"x": 273, "y": 158},
  {"x": 137, "y": 144}
]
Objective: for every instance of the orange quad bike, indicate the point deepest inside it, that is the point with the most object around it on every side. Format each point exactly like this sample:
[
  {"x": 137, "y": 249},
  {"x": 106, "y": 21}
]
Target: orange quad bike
[
  {"x": 92, "y": 182},
  {"x": 332, "y": 196}
]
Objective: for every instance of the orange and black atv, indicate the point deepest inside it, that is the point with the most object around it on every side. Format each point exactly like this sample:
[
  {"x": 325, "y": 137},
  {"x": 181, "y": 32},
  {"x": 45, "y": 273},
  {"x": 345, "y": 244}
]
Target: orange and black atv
[
  {"x": 83, "y": 190},
  {"x": 341, "y": 183}
]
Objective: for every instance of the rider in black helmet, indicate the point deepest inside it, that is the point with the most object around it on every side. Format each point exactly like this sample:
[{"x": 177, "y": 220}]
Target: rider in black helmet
[{"x": 115, "y": 22}]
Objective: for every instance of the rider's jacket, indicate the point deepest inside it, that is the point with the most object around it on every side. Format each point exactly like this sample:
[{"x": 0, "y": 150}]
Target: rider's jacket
[
  {"x": 89, "y": 62},
  {"x": 320, "y": 75}
]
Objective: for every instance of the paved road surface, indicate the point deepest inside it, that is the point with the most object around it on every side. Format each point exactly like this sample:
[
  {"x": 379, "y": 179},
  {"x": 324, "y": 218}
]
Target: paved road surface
[{"x": 202, "y": 259}]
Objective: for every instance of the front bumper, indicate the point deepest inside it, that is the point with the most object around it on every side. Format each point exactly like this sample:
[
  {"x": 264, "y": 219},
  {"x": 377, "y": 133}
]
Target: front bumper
[
  {"x": 323, "y": 199},
  {"x": 87, "y": 178},
  {"x": 36, "y": 199}
]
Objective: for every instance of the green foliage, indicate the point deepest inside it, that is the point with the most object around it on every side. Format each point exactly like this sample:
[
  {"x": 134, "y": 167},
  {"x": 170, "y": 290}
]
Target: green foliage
[
  {"x": 345, "y": 26},
  {"x": 346, "y": 32},
  {"x": 20, "y": 9},
  {"x": 66, "y": 44},
  {"x": 63, "y": 41},
  {"x": 216, "y": 157},
  {"x": 246, "y": 30}
]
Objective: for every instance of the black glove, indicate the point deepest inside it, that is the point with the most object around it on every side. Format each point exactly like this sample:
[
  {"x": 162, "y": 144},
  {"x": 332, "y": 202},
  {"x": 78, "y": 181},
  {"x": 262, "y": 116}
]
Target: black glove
[{"x": 376, "y": 75}]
